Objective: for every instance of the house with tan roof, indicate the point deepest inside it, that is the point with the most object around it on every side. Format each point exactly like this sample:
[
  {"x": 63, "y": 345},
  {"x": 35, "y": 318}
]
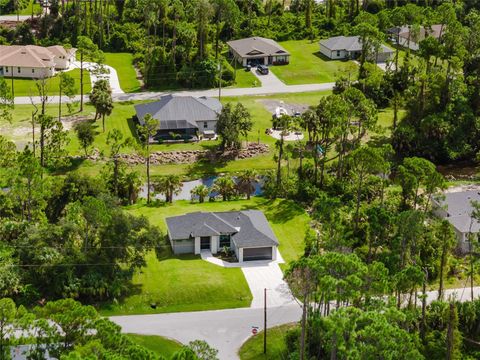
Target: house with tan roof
[
  {"x": 410, "y": 37},
  {"x": 258, "y": 51},
  {"x": 31, "y": 61}
]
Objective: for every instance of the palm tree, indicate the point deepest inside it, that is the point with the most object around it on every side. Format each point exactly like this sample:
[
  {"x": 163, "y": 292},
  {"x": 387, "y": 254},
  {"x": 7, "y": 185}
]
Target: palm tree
[
  {"x": 225, "y": 186},
  {"x": 132, "y": 184},
  {"x": 246, "y": 181},
  {"x": 168, "y": 185},
  {"x": 201, "y": 191}
]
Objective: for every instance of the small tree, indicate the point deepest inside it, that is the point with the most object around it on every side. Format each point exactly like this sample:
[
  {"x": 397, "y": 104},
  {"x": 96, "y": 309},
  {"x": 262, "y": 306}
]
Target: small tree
[
  {"x": 201, "y": 191},
  {"x": 101, "y": 98},
  {"x": 225, "y": 186},
  {"x": 202, "y": 350},
  {"x": 246, "y": 182},
  {"x": 232, "y": 123},
  {"x": 168, "y": 185},
  {"x": 85, "y": 135},
  {"x": 66, "y": 86},
  {"x": 6, "y": 101},
  {"x": 146, "y": 131},
  {"x": 87, "y": 51}
]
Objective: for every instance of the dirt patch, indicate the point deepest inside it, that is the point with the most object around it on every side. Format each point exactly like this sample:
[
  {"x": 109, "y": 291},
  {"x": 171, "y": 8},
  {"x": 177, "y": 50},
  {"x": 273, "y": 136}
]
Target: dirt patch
[
  {"x": 291, "y": 108},
  {"x": 70, "y": 121}
]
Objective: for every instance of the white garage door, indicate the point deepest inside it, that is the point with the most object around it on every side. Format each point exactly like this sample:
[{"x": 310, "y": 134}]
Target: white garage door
[{"x": 260, "y": 253}]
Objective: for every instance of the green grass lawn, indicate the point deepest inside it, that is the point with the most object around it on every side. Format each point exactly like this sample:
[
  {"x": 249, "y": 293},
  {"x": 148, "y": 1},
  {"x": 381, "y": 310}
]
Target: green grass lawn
[
  {"x": 26, "y": 8},
  {"x": 27, "y": 87},
  {"x": 307, "y": 65},
  {"x": 158, "y": 344},
  {"x": 252, "y": 349},
  {"x": 245, "y": 79},
  {"x": 187, "y": 283},
  {"x": 123, "y": 63}
]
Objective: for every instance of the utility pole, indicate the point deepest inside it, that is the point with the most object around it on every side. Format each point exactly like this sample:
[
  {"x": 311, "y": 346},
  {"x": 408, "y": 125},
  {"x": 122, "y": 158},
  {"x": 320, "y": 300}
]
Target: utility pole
[
  {"x": 220, "y": 80},
  {"x": 265, "y": 321}
]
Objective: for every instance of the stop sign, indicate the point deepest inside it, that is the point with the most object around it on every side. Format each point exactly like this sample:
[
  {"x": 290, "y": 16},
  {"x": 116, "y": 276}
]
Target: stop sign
[{"x": 254, "y": 331}]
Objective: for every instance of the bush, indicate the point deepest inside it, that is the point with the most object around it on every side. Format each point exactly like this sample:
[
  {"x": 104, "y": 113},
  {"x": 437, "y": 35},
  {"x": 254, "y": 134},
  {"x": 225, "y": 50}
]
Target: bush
[{"x": 292, "y": 339}]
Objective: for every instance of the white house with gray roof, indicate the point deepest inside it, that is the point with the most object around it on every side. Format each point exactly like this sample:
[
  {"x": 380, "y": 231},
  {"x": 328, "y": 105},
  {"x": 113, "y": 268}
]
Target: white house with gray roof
[
  {"x": 246, "y": 232},
  {"x": 350, "y": 47},
  {"x": 258, "y": 51},
  {"x": 186, "y": 116},
  {"x": 456, "y": 207}
]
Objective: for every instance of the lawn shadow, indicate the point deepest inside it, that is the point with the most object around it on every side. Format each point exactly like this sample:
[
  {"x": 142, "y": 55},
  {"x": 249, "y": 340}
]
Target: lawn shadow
[
  {"x": 74, "y": 164},
  {"x": 132, "y": 126},
  {"x": 327, "y": 59},
  {"x": 283, "y": 211}
]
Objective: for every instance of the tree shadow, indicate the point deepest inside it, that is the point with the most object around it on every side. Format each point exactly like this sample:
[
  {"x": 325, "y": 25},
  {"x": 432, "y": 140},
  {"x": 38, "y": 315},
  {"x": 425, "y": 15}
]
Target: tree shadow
[
  {"x": 283, "y": 211},
  {"x": 74, "y": 164},
  {"x": 327, "y": 59}
]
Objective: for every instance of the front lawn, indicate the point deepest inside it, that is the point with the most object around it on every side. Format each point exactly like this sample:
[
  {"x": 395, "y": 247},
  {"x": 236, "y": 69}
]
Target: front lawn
[
  {"x": 158, "y": 344},
  {"x": 27, "y": 87},
  {"x": 307, "y": 64},
  {"x": 252, "y": 349},
  {"x": 187, "y": 283},
  {"x": 123, "y": 63},
  {"x": 245, "y": 79}
]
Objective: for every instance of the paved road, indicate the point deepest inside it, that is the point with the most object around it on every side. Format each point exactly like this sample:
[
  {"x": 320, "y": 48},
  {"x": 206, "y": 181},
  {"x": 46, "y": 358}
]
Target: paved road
[
  {"x": 225, "y": 330},
  {"x": 14, "y": 17},
  {"x": 286, "y": 89}
]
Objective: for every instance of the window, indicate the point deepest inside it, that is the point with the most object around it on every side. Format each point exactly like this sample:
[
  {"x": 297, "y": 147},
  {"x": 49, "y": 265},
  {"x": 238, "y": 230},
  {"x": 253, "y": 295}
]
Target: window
[
  {"x": 19, "y": 70},
  {"x": 6, "y": 69},
  {"x": 338, "y": 53},
  {"x": 33, "y": 71},
  {"x": 224, "y": 241},
  {"x": 205, "y": 125}
]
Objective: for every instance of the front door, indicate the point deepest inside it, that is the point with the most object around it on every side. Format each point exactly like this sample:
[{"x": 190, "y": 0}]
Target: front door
[{"x": 205, "y": 243}]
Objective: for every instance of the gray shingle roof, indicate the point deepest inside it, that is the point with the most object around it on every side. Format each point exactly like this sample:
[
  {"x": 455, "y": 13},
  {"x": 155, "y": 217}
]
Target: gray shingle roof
[
  {"x": 459, "y": 208},
  {"x": 179, "y": 112},
  {"x": 257, "y": 47},
  {"x": 348, "y": 43},
  {"x": 249, "y": 228}
]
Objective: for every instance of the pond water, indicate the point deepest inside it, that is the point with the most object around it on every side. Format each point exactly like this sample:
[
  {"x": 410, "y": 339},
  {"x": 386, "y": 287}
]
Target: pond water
[{"x": 187, "y": 187}]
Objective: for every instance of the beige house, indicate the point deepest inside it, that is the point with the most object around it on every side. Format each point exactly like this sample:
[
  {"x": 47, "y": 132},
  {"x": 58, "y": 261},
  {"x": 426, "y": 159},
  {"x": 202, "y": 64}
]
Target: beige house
[
  {"x": 258, "y": 51},
  {"x": 31, "y": 61}
]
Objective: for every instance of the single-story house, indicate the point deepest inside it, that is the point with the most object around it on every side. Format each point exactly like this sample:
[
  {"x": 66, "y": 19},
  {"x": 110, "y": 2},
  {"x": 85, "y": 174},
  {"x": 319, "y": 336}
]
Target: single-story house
[
  {"x": 186, "y": 116},
  {"x": 404, "y": 36},
  {"x": 350, "y": 47},
  {"x": 246, "y": 232},
  {"x": 456, "y": 207},
  {"x": 258, "y": 51},
  {"x": 31, "y": 61}
]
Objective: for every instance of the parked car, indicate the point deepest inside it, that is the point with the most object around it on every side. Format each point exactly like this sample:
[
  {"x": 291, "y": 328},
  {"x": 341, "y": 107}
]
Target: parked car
[
  {"x": 248, "y": 67},
  {"x": 262, "y": 69}
]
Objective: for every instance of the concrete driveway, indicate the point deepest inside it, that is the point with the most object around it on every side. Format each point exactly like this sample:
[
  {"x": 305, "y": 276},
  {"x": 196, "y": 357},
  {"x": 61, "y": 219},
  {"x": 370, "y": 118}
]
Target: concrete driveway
[
  {"x": 269, "y": 81},
  {"x": 270, "y": 277}
]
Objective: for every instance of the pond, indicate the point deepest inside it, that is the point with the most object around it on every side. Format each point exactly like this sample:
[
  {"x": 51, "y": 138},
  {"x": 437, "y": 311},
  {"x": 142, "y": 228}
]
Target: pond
[{"x": 187, "y": 187}]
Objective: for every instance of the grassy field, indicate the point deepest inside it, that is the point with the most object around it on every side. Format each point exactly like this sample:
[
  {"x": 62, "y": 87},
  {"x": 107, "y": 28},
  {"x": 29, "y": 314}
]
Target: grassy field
[
  {"x": 187, "y": 283},
  {"x": 307, "y": 65},
  {"x": 252, "y": 349},
  {"x": 27, "y": 87},
  {"x": 121, "y": 119},
  {"x": 158, "y": 344},
  {"x": 123, "y": 63},
  {"x": 245, "y": 79}
]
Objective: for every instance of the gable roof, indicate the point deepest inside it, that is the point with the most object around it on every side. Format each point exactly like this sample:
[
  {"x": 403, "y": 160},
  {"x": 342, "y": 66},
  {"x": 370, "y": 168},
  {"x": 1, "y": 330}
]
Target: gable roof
[
  {"x": 58, "y": 50},
  {"x": 348, "y": 43},
  {"x": 256, "y": 46},
  {"x": 459, "y": 209},
  {"x": 26, "y": 56},
  {"x": 404, "y": 31},
  {"x": 180, "y": 112},
  {"x": 248, "y": 228}
]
